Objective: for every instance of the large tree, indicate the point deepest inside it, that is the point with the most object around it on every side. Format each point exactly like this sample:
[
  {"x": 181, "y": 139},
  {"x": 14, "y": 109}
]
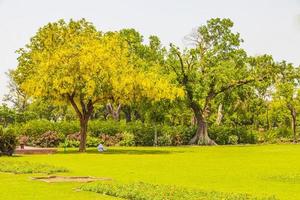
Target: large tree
[
  {"x": 214, "y": 64},
  {"x": 287, "y": 92},
  {"x": 74, "y": 63}
]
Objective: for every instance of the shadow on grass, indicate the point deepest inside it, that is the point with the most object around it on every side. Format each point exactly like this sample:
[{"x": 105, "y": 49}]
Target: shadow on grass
[{"x": 122, "y": 151}]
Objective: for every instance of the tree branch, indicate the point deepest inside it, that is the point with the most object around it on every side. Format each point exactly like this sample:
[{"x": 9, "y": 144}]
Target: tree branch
[
  {"x": 73, "y": 103},
  {"x": 181, "y": 62},
  {"x": 238, "y": 84}
]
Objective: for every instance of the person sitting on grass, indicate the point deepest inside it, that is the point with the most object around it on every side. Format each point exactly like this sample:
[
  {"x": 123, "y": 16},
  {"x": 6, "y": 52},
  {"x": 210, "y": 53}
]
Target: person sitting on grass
[{"x": 101, "y": 148}]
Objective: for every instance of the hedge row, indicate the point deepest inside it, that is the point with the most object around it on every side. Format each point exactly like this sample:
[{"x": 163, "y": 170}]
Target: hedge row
[
  {"x": 47, "y": 133},
  {"x": 141, "y": 134}
]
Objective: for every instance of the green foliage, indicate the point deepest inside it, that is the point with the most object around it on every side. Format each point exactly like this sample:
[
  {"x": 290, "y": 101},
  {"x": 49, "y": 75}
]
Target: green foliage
[
  {"x": 92, "y": 141},
  {"x": 147, "y": 191},
  {"x": 214, "y": 65},
  {"x": 233, "y": 139},
  {"x": 74, "y": 63},
  {"x": 69, "y": 143},
  {"x": 25, "y": 167},
  {"x": 227, "y": 135},
  {"x": 127, "y": 139},
  {"x": 47, "y": 139},
  {"x": 8, "y": 141},
  {"x": 276, "y": 134},
  {"x": 109, "y": 127},
  {"x": 213, "y": 82},
  {"x": 34, "y": 128}
]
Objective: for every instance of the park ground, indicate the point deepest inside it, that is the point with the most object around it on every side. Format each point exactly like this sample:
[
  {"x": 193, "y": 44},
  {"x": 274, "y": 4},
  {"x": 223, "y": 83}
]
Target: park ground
[{"x": 258, "y": 170}]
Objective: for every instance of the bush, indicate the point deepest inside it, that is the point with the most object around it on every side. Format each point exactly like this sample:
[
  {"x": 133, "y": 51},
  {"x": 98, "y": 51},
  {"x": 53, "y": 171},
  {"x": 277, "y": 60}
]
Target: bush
[
  {"x": 133, "y": 133},
  {"x": 66, "y": 127},
  {"x": 35, "y": 128},
  {"x": 127, "y": 139},
  {"x": 97, "y": 127},
  {"x": 143, "y": 133},
  {"x": 110, "y": 140},
  {"x": 8, "y": 141},
  {"x": 233, "y": 139},
  {"x": 24, "y": 167},
  {"x": 164, "y": 140},
  {"x": 92, "y": 141},
  {"x": 74, "y": 136},
  {"x": 147, "y": 191},
  {"x": 70, "y": 143},
  {"x": 276, "y": 135},
  {"x": 222, "y": 134},
  {"x": 48, "y": 139}
]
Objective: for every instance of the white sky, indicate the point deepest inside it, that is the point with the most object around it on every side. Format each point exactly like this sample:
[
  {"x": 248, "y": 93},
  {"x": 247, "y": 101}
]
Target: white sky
[{"x": 267, "y": 26}]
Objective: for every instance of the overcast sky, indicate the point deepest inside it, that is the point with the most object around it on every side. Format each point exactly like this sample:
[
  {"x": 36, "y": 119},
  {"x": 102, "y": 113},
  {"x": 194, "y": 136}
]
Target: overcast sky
[{"x": 267, "y": 26}]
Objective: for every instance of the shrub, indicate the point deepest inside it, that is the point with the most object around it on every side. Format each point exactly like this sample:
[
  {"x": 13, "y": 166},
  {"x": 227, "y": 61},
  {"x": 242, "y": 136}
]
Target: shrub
[
  {"x": 127, "y": 139},
  {"x": 233, "y": 139},
  {"x": 35, "y": 128},
  {"x": 48, "y": 139},
  {"x": 284, "y": 132},
  {"x": 66, "y": 127},
  {"x": 70, "y": 143},
  {"x": 97, "y": 127},
  {"x": 74, "y": 136},
  {"x": 8, "y": 141},
  {"x": 164, "y": 140},
  {"x": 147, "y": 191},
  {"x": 73, "y": 140},
  {"x": 24, "y": 167},
  {"x": 143, "y": 133},
  {"x": 92, "y": 141},
  {"x": 110, "y": 140},
  {"x": 221, "y": 134}
]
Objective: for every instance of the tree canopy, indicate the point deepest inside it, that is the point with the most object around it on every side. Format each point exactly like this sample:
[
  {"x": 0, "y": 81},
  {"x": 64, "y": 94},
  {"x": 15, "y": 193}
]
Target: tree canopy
[
  {"x": 73, "y": 62},
  {"x": 71, "y": 69}
]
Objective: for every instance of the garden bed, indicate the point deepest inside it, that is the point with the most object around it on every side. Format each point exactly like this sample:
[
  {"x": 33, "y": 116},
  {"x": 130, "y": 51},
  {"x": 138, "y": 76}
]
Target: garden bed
[{"x": 35, "y": 150}]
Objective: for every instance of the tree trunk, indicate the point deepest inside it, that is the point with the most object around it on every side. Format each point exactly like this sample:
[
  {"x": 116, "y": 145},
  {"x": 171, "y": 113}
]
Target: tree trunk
[
  {"x": 201, "y": 137},
  {"x": 293, "y": 113},
  {"x": 155, "y": 136},
  {"x": 83, "y": 134},
  {"x": 115, "y": 113},
  {"x": 219, "y": 115},
  {"x": 268, "y": 120},
  {"x": 127, "y": 112},
  {"x": 83, "y": 115}
]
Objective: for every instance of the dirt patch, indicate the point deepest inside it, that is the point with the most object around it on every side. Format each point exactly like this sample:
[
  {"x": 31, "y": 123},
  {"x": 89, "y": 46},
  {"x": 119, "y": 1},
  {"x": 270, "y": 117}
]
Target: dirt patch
[{"x": 59, "y": 179}]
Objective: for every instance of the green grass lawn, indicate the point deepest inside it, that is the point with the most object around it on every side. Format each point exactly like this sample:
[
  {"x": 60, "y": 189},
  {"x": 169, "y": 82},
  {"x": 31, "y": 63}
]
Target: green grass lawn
[{"x": 261, "y": 171}]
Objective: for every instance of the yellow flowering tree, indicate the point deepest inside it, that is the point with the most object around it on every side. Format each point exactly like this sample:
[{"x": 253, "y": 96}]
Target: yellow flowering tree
[{"x": 76, "y": 64}]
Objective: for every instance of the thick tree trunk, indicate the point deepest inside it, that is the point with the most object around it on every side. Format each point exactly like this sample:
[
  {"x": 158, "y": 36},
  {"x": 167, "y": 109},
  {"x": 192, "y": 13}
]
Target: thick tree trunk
[
  {"x": 83, "y": 134},
  {"x": 201, "y": 137}
]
